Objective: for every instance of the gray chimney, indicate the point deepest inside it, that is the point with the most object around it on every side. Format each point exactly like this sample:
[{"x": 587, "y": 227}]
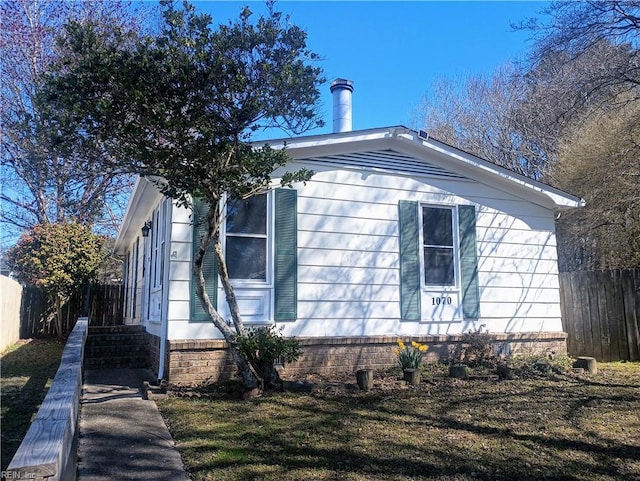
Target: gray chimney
[{"x": 341, "y": 90}]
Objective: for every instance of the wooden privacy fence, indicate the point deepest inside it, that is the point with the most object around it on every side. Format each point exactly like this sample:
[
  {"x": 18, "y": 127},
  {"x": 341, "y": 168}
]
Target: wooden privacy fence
[
  {"x": 102, "y": 304},
  {"x": 601, "y": 313}
]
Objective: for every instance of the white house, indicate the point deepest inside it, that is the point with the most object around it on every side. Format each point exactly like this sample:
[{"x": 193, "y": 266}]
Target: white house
[{"x": 396, "y": 235}]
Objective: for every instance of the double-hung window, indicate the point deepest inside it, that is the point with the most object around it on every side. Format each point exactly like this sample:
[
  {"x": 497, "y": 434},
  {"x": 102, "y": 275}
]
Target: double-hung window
[
  {"x": 246, "y": 238},
  {"x": 440, "y": 265},
  {"x": 438, "y": 262},
  {"x": 260, "y": 245},
  {"x": 439, "y": 251}
]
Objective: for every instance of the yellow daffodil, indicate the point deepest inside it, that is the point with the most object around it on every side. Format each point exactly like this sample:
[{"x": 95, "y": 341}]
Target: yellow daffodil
[{"x": 410, "y": 357}]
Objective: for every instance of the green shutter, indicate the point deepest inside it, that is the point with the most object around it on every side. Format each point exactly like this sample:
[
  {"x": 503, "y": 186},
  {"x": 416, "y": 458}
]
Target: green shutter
[
  {"x": 286, "y": 256},
  {"x": 209, "y": 265},
  {"x": 409, "y": 261},
  {"x": 468, "y": 262}
]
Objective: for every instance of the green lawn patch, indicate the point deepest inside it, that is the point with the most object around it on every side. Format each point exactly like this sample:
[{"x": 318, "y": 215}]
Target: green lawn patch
[
  {"x": 27, "y": 369},
  {"x": 571, "y": 427}
]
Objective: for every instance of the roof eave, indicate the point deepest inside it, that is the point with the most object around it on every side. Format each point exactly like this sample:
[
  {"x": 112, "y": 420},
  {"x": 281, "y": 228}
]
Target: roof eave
[
  {"x": 450, "y": 158},
  {"x": 142, "y": 199}
]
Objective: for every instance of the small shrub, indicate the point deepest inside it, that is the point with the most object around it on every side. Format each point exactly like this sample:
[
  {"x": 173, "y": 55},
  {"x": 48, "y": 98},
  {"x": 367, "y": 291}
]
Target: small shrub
[
  {"x": 475, "y": 350},
  {"x": 263, "y": 346},
  {"x": 540, "y": 365},
  {"x": 436, "y": 369}
]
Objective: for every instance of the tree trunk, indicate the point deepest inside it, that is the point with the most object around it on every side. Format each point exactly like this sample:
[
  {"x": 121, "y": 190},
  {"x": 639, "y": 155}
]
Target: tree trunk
[
  {"x": 589, "y": 364},
  {"x": 223, "y": 273},
  {"x": 58, "y": 316},
  {"x": 249, "y": 378},
  {"x": 458, "y": 371}
]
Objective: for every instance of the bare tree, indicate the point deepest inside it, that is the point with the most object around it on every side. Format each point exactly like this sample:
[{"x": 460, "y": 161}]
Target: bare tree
[
  {"x": 477, "y": 115},
  {"x": 41, "y": 183},
  {"x": 569, "y": 117},
  {"x": 574, "y": 28},
  {"x": 516, "y": 117},
  {"x": 599, "y": 160}
]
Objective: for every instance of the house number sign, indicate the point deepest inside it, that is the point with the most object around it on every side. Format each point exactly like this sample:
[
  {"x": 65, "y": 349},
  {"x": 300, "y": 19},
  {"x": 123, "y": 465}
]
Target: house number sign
[{"x": 442, "y": 300}]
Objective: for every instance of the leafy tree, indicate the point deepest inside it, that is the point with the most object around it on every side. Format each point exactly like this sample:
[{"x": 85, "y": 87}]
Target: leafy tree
[
  {"x": 180, "y": 108},
  {"x": 59, "y": 258},
  {"x": 43, "y": 184}
]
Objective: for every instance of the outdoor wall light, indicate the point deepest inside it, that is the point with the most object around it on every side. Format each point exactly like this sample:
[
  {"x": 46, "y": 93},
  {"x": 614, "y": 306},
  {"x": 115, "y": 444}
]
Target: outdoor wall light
[{"x": 146, "y": 228}]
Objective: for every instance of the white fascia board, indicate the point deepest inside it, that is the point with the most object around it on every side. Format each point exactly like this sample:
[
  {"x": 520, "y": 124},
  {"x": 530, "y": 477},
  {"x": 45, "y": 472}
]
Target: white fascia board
[
  {"x": 492, "y": 174},
  {"x": 317, "y": 145},
  {"x": 142, "y": 199},
  {"x": 407, "y": 141}
]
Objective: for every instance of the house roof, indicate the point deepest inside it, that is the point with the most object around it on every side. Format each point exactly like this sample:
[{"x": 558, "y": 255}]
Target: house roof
[
  {"x": 395, "y": 148},
  {"x": 430, "y": 153}
]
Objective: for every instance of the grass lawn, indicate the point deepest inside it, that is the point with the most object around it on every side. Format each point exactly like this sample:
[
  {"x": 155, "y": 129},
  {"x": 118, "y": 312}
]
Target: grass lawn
[
  {"x": 27, "y": 369},
  {"x": 573, "y": 427}
]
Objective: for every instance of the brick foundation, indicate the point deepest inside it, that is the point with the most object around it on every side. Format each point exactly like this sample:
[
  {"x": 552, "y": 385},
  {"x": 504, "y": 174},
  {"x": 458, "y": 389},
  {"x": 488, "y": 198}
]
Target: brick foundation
[
  {"x": 197, "y": 361},
  {"x": 154, "y": 352}
]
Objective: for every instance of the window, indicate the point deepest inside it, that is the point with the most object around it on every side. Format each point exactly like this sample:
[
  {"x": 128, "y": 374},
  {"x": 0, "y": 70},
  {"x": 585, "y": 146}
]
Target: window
[
  {"x": 438, "y": 262},
  {"x": 438, "y": 246},
  {"x": 260, "y": 242},
  {"x": 246, "y": 238}
]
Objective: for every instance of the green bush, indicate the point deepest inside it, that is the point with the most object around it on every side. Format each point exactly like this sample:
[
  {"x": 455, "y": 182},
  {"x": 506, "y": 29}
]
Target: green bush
[{"x": 264, "y": 346}]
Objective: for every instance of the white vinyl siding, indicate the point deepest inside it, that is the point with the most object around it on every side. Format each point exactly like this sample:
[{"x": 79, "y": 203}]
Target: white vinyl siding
[{"x": 348, "y": 262}]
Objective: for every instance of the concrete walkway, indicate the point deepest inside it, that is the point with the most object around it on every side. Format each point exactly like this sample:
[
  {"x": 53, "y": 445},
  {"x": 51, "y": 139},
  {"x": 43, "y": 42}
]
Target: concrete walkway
[{"x": 122, "y": 435}]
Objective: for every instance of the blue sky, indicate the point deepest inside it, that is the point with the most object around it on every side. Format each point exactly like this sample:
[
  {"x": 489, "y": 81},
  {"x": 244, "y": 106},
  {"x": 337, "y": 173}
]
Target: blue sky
[{"x": 394, "y": 51}]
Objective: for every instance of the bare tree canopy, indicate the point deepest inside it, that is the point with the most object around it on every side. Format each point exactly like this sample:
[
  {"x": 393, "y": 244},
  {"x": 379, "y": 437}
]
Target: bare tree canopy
[
  {"x": 488, "y": 117},
  {"x": 562, "y": 117},
  {"x": 574, "y": 28},
  {"x": 42, "y": 184},
  {"x": 516, "y": 116}
]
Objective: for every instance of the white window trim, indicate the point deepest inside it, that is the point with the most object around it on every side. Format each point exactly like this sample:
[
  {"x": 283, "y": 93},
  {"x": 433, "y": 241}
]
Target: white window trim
[
  {"x": 456, "y": 248},
  {"x": 270, "y": 247},
  {"x": 158, "y": 264}
]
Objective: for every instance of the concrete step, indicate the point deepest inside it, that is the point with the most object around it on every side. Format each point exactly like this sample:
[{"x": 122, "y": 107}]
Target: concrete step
[
  {"x": 115, "y": 350},
  {"x": 97, "y": 330}
]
